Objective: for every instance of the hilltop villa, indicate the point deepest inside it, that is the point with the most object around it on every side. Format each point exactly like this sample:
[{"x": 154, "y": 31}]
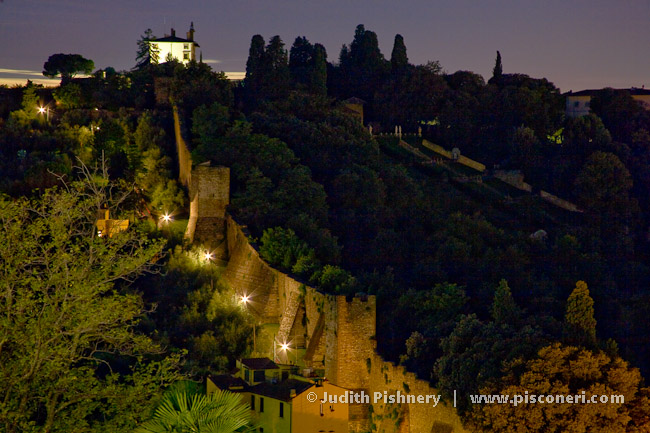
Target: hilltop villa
[{"x": 173, "y": 47}]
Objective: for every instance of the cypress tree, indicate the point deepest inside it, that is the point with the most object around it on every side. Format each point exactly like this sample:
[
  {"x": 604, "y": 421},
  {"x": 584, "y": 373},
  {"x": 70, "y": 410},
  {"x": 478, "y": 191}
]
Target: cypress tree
[
  {"x": 579, "y": 317},
  {"x": 398, "y": 59},
  {"x": 497, "y": 72},
  {"x": 318, "y": 76},
  {"x": 300, "y": 57},
  {"x": 276, "y": 67},
  {"x": 504, "y": 310},
  {"x": 254, "y": 69}
]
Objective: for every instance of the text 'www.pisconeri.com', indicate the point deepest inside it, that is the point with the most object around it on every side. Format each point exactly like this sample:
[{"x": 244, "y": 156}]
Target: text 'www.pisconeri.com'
[{"x": 526, "y": 398}]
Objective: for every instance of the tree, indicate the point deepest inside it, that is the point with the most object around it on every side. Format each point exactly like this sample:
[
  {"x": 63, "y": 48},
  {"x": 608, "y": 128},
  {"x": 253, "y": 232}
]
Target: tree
[
  {"x": 300, "y": 56},
  {"x": 276, "y": 70},
  {"x": 318, "y": 73},
  {"x": 69, "y": 349},
  {"x": 579, "y": 317},
  {"x": 29, "y": 112},
  {"x": 398, "y": 59},
  {"x": 308, "y": 66},
  {"x": 67, "y": 66},
  {"x": 559, "y": 370},
  {"x": 68, "y": 96},
  {"x": 184, "y": 409},
  {"x": 497, "y": 72},
  {"x": 621, "y": 114},
  {"x": 254, "y": 69},
  {"x": 363, "y": 67},
  {"x": 145, "y": 54},
  {"x": 504, "y": 310}
]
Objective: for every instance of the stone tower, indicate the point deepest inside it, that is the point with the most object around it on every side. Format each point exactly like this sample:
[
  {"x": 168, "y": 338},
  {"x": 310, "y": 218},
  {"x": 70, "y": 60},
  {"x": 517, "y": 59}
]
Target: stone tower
[{"x": 209, "y": 196}]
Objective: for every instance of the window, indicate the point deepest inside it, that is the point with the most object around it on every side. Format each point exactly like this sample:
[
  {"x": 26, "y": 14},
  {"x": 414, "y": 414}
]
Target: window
[
  {"x": 247, "y": 375},
  {"x": 186, "y": 56},
  {"x": 281, "y": 410},
  {"x": 186, "y": 46},
  {"x": 576, "y": 104},
  {"x": 258, "y": 376},
  {"x": 252, "y": 402},
  {"x": 261, "y": 404}
]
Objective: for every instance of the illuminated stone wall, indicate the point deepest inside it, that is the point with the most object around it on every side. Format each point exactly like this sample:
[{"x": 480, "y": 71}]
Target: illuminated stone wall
[{"x": 340, "y": 340}]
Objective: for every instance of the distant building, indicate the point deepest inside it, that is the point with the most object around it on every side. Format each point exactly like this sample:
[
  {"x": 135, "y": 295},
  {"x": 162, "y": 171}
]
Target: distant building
[
  {"x": 107, "y": 227},
  {"x": 258, "y": 370},
  {"x": 579, "y": 103},
  {"x": 173, "y": 47}
]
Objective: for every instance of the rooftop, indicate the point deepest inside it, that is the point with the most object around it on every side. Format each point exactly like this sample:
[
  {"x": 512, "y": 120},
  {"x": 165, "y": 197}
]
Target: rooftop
[
  {"x": 259, "y": 363},
  {"x": 281, "y": 390},
  {"x": 226, "y": 381},
  {"x": 592, "y": 92}
]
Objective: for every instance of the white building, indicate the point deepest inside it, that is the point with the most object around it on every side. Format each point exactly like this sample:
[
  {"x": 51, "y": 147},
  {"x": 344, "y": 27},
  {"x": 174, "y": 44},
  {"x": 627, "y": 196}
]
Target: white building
[{"x": 171, "y": 46}]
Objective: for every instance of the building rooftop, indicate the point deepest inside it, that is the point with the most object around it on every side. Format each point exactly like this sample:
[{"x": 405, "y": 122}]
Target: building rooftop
[
  {"x": 228, "y": 382},
  {"x": 259, "y": 363},
  {"x": 281, "y": 390},
  {"x": 592, "y": 92}
]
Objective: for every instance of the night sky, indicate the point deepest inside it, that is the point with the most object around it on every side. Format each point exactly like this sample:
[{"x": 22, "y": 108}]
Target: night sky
[{"x": 576, "y": 44}]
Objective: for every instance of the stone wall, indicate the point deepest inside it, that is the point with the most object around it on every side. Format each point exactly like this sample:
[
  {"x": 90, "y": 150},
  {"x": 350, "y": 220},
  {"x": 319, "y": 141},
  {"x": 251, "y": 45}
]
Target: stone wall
[
  {"x": 340, "y": 339},
  {"x": 389, "y": 418},
  {"x": 182, "y": 151},
  {"x": 249, "y": 275}
]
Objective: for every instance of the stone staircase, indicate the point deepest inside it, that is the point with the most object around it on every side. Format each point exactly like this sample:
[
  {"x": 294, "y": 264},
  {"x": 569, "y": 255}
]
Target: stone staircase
[{"x": 288, "y": 317}]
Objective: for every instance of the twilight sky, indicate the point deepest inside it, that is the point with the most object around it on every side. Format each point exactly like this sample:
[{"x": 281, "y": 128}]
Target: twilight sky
[{"x": 576, "y": 44}]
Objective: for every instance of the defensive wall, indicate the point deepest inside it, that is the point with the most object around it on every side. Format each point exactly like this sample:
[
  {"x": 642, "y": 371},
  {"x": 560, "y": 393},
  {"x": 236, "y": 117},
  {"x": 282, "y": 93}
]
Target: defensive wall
[
  {"x": 339, "y": 334},
  {"x": 182, "y": 151},
  {"x": 340, "y": 338}
]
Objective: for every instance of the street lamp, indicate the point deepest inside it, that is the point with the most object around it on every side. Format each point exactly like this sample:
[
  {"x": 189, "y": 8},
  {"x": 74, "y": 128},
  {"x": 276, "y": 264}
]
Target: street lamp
[
  {"x": 207, "y": 256},
  {"x": 45, "y": 110},
  {"x": 166, "y": 218},
  {"x": 284, "y": 347}
]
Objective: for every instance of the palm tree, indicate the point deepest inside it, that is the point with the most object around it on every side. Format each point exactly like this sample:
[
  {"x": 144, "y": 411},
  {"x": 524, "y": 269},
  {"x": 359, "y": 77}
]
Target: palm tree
[{"x": 185, "y": 409}]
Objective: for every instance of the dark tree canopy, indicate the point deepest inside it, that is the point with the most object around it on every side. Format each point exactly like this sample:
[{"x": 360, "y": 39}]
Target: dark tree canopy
[
  {"x": 308, "y": 66},
  {"x": 67, "y": 66}
]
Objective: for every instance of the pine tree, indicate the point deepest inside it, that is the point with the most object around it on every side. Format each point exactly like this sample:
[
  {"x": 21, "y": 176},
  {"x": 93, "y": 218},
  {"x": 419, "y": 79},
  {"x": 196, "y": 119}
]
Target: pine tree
[
  {"x": 398, "y": 59},
  {"x": 145, "y": 54},
  {"x": 579, "y": 317}
]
